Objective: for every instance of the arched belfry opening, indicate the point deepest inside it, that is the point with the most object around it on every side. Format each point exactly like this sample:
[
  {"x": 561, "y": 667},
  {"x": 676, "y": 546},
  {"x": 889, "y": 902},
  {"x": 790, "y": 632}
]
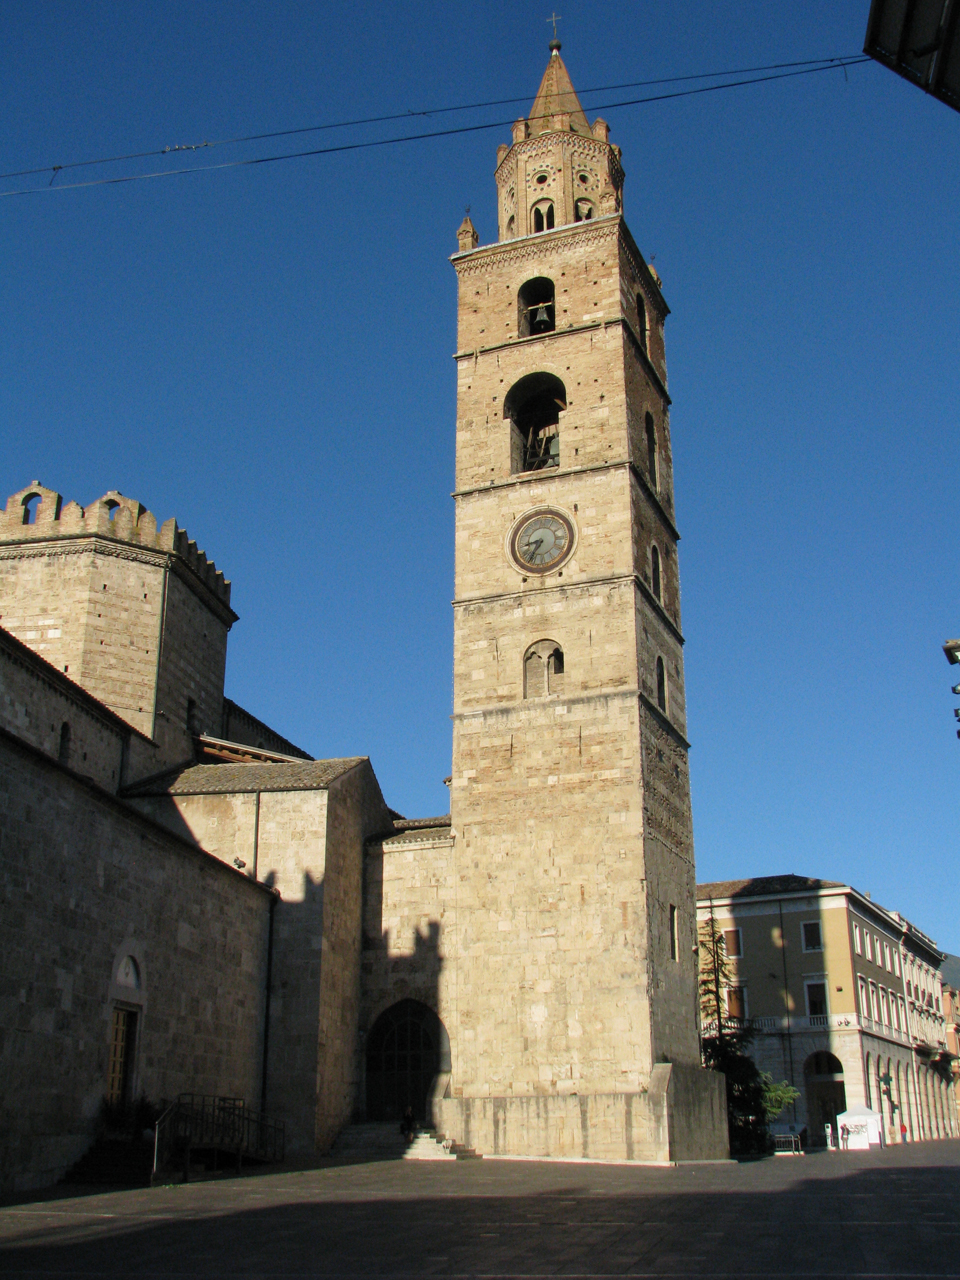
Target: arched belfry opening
[
  {"x": 533, "y": 406},
  {"x": 407, "y": 1048},
  {"x": 543, "y": 216},
  {"x": 536, "y": 307}
]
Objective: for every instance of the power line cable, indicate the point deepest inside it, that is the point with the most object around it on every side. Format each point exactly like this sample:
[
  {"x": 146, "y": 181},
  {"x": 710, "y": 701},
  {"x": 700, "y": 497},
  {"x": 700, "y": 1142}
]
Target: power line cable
[
  {"x": 834, "y": 64},
  {"x": 402, "y": 115}
]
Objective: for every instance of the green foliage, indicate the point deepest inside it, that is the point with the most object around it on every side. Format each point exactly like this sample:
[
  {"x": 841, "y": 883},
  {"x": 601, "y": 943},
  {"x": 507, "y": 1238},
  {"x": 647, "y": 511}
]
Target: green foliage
[
  {"x": 776, "y": 1097},
  {"x": 746, "y": 1109}
]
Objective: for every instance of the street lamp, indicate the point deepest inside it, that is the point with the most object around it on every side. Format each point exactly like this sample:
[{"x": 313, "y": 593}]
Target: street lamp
[{"x": 920, "y": 40}]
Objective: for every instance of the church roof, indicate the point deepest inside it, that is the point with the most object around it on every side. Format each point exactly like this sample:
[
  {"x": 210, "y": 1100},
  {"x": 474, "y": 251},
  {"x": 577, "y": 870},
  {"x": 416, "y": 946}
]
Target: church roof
[
  {"x": 556, "y": 96},
  {"x": 764, "y": 886},
  {"x": 227, "y": 779}
]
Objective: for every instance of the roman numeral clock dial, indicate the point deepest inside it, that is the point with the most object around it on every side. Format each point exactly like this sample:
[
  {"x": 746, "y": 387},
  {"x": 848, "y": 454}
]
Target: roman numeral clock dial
[{"x": 541, "y": 541}]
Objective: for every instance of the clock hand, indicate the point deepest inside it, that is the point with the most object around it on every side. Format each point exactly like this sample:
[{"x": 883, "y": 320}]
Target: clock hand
[{"x": 533, "y": 547}]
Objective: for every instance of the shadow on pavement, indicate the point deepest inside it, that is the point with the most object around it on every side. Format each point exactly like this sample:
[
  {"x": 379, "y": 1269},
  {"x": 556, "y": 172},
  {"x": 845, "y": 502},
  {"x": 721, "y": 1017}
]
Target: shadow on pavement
[{"x": 891, "y": 1214}]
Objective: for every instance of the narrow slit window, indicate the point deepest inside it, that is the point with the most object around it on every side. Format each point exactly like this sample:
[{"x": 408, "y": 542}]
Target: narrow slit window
[
  {"x": 642, "y": 321},
  {"x": 674, "y": 940},
  {"x": 655, "y": 572},
  {"x": 661, "y": 685},
  {"x": 652, "y": 452},
  {"x": 63, "y": 752}
]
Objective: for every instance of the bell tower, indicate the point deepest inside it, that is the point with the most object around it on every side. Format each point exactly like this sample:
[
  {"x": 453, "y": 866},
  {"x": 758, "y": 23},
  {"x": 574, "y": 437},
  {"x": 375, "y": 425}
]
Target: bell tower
[{"x": 569, "y": 988}]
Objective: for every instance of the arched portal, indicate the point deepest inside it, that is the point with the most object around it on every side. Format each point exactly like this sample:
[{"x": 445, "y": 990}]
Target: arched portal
[
  {"x": 406, "y": 1048},
  {"x": 826, "y": 1095}
]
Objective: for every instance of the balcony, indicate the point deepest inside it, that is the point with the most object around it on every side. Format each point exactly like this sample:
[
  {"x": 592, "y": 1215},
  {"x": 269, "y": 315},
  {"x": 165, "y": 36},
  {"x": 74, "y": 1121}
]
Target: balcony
[{"x": 827, "y": 1022}]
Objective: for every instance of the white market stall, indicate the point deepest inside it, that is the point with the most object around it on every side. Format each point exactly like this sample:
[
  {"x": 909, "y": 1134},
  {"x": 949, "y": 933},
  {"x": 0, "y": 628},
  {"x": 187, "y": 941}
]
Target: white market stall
[{"x": 865, "y": 1128}]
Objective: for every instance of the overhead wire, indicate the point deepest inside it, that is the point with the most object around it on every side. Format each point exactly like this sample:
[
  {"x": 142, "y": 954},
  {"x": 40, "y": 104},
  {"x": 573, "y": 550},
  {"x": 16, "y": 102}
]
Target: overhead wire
[
  {"x": 806, "y": 69},
  {"x": 399, "y": 115}
]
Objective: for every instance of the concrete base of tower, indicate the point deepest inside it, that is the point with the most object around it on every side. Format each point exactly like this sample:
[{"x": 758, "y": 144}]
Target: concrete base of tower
[{"x": 682, "y": 1115}]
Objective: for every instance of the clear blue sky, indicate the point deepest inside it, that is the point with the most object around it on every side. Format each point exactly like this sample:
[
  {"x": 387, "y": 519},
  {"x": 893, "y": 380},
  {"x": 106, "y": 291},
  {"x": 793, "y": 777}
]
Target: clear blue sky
[{"x": 265, "y": 353}]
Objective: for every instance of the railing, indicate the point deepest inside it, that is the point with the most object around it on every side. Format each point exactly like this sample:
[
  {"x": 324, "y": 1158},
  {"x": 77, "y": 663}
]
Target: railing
[{"x": 200, "y": 1122}]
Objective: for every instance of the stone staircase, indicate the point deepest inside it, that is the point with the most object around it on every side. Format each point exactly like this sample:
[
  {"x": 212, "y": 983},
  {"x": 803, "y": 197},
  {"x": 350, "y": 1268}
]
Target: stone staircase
[
  {"x": 375, "y": 1141},
  {"x": 369, "y": 1142}
]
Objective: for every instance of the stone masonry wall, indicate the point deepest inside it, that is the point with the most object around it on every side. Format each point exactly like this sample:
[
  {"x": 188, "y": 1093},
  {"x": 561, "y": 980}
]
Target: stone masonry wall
[
  {"x": 85, "y": 883},
  {"x": 35, "y": 705}
]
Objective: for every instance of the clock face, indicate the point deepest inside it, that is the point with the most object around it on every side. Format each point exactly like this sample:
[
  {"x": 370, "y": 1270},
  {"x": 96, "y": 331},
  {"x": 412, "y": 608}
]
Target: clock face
[{"x": 542, "y": 541}]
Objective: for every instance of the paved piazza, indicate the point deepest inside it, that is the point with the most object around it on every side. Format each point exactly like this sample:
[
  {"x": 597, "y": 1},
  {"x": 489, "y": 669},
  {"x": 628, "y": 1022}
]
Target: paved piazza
[{"x": 890, "y": 1213}]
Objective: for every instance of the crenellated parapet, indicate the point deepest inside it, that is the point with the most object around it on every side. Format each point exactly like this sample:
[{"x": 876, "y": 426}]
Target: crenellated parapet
[{"x": 38, "y": 514}]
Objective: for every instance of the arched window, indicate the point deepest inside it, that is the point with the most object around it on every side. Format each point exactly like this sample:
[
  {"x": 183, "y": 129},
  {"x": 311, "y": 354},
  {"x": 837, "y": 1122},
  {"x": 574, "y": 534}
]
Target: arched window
[
  {"x": 661, "y": 685},
  {"x": 651, "y": 452},
  {"x": 555, "y": 671},
  {"x": 31, "y": 505},
  {"x": 63, "y": 752},
  {"x": 533, "y": 406},
  {"x": 536, "y": 310},
  {"x": 511, "y": 227},
  {"x": 655, "y": 571},
  {"x": 642, "y": 321},
  {"x": 543, "y": 216},
  {"x": 542, "y": 669},
  {"x": 112, "y": 508},
  {"x": 582, "y": 210}
]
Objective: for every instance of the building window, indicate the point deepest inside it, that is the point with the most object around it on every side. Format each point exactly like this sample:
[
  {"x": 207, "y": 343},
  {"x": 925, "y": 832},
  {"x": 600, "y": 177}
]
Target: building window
[
  {"x": 874, "y": 1004},
  {"x": 651, "y": 452},
  {"x": 864, "y": 998},
  {"x": 878, "y": 953},
  {"x": 661, "y": 685},
  {"x": 582, "y": 210},
  {"x": 894, "y": 1013},
  {"x": 886, "y": 957},
  {"x": 543, "y": 669},
  {"x": 533, "y": 406},
  {"x": 674, "y": 940},
  {"x": 543, "y": 216},
  {"x": 896, "y": 962},
  {"x": 732, "y": 944},
  {"x": 867, "y": 949},
  {"x": 535, "y": 307},
  {"x": 736, "y": 1003},
  {"x": 812, "y": 937},
  {"x": 655, "y": 571},
  {"x": 642, "y": 320},
  {"x": 123, "y": 1035},
  {"x": 884, "y": 1007},
  {"x": 816, "y": 999},
  {"x": 63, "y": 751}
]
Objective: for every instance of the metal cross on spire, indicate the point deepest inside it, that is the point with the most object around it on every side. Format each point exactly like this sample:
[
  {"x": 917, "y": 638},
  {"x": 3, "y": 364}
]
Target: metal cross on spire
[{"x": 555, "y": 18}]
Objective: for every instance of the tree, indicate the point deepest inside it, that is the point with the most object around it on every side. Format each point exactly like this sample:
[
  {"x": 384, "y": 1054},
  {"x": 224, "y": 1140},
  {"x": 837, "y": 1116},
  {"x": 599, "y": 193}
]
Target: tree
[
  {"x": 714, "y": 975},
  {"x": 776, "y": 1097}
]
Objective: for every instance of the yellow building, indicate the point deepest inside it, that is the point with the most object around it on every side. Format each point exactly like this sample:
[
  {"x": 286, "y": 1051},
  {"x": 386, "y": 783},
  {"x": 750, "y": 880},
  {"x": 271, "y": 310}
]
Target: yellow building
[{"x": 844, "y": 999}]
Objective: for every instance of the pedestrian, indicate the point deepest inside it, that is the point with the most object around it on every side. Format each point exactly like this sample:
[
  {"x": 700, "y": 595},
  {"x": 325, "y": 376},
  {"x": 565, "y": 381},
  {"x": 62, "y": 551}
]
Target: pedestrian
[
  {"x": 903, "y": 1131},
  {"x": 408, "y": 1125},
  {"x": 844, "y": 1137}
]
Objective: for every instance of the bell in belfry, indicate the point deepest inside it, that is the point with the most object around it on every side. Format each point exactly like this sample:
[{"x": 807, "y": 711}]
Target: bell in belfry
[{"x": 542, "y": 317}]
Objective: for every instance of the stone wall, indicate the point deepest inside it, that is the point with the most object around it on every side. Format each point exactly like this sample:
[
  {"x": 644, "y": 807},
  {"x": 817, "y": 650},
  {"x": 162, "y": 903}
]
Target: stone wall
[{"x": 86, "y": 883}]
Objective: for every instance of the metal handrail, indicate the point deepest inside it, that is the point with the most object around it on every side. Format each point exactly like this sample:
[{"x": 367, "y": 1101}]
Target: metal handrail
[{"x": 218, "y": 1124}]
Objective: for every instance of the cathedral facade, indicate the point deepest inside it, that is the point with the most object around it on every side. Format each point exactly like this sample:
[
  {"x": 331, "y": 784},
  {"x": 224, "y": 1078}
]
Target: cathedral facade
[{"x": 221, "y": 914}]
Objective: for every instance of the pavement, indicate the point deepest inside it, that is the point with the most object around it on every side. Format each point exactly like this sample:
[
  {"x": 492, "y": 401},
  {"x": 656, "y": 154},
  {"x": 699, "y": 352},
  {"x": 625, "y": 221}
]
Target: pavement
[{"x": 890, "y": 1213}]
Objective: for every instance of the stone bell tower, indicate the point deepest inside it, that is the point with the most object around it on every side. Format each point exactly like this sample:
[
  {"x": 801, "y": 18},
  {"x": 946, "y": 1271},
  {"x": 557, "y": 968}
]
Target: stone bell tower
[{"x": 569, "y": 990}]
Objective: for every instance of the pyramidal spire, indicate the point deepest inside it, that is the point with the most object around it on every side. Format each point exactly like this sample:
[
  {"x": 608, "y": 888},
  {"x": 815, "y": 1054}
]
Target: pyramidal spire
[{"x": 557, "y": 106}]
